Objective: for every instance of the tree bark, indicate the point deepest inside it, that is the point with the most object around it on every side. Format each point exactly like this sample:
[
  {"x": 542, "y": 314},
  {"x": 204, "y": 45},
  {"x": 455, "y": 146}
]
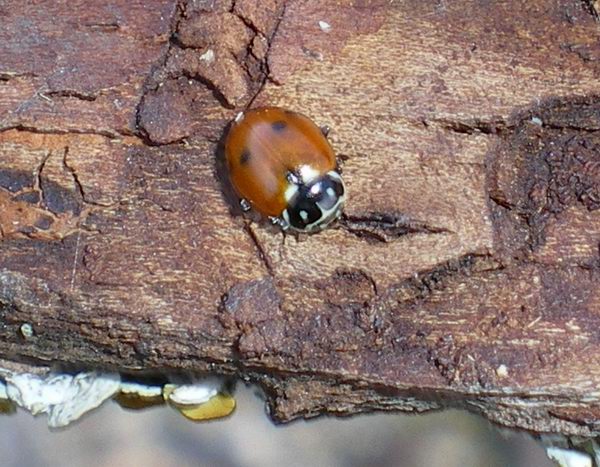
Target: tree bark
[{"x": 466, "y": 269}]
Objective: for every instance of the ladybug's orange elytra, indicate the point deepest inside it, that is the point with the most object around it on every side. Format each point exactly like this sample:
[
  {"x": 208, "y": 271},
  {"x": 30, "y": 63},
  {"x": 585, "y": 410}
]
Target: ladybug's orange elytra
[{"x": 282, "y": 165}]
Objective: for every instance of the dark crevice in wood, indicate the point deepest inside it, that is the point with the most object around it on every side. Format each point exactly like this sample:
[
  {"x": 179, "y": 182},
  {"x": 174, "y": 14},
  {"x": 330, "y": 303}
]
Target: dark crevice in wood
[
  {"x": 591, "y": 6},
  {"x": 6, "y": 76},
  {"x": 71, "y": 94},
  {"x": 572, "y": 127},
  {"x": 211, "y": 86},
  {"x": 267, "y": 72},
  {"x": 262, "y": 253},
  {"x": 39, "y": 184},
  {"x": 55, "y": 131},
  {"x": 423, "y": 284},
  {"x": 71, "y": 170},
  {"x": 150, "y": 83},
  {"x": 493, "y": 127},
  {"x": 105, "y": 27},
  {"x": 382, "y": 227}
]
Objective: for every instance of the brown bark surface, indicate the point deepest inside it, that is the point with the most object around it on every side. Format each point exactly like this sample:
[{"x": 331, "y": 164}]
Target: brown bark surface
[{"x": 466, "y": 271}]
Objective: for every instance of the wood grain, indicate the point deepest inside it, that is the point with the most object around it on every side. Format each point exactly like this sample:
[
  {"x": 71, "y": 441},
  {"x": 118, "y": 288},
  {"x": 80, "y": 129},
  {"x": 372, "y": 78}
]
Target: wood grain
[{"x": 465, "y": 272}]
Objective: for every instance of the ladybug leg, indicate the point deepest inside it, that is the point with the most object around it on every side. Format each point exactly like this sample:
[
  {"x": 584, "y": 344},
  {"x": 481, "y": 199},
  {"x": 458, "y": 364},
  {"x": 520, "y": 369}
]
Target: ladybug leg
[
  {"x": 239, "y": 117},
  {"x": 280, "y": 221},
  {"x": 245, "y": 205},
  {"x": 292, "y": 177},
  {"x": 325, "y": 129}
]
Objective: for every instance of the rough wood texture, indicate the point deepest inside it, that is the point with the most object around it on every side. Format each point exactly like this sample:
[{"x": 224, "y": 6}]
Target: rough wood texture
[{"x": 465, "y": 273}]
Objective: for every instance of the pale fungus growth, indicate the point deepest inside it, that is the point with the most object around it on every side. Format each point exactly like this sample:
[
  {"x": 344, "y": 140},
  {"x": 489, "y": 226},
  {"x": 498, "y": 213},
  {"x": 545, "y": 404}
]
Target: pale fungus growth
[
  {"x": 208, "y": 56},
  {"x": 201, "y": 400},
  {"x": 537, "y": 121},
  {"x": 26, "y": 330},
  {"x": 502, "y": 371},
  {"x": 6, "y": 405},
  {"x": 325, "y": 26},
  {"x": 63, "y": 397},
  {"x": 569, "y": 457},
  {"x": 133, "y": 395}
]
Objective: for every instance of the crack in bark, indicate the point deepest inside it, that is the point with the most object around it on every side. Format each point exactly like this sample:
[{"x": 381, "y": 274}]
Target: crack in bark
[
  {"x": 160, "y": 206},
  {"x": 65, "y": 216},
  {"x": 383, "y": 227},
  {"x": 591, "y": 6},
  {"x": 419, "y": 287},
  {"x": 75, "y": 261},
  {"x": 203, "y": 80},
  {"x": 104, "y": 27},
  {"x": 267, "y": 75},
  {"x": 69, "y": 93},
  {"x": 71, "y": 170},
  {"x": 582, "y": 51},
  {"x": 264, "y": 65},
  {"x": 79, "y": 185},
  {"x": 573, "y": 127},
  {"x": 472, "y": 126},
  {"x": 153, "y": 81},
  {"x": 211, "y": 86},
  {"x": 501, "y": 202},
  {"x": 150, "y": 84},
  {"x": 38, "y": 186},
  {"x": 53, "y": 131},
  {"x": 262, "y": 254},
  {"x": 6, "y": 76}
]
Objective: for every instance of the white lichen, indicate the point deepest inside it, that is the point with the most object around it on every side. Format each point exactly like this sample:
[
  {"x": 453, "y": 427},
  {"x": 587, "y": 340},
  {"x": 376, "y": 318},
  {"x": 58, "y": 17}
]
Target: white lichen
[
  {"x": 537, "y": 121},
  {"x": 502, "y": 371},
  {"x": 325, "y": 26},
  {"x": 63, "y": 397},
  {"x": 194, "y": 393},
  {"x": 140, "y": 389},
  {"x": 201, "y": 400},
  {"x": 571, "y": 451},
  {"x": 568, "y": 457},
  {"x": 26, "y": 330},
  {"x": 208, "y": 56}
]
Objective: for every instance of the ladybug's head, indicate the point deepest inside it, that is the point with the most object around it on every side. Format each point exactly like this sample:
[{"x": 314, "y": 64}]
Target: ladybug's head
[{"x": 315, "y": 204}]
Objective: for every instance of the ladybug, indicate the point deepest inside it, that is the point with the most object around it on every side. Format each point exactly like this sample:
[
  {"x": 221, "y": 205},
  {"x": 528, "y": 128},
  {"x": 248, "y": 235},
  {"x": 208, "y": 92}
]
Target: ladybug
[{"x": 281, "y": 164}]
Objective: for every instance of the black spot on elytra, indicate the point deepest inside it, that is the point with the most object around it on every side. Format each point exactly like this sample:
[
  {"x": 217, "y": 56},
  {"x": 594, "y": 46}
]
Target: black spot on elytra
[
  {"x": 278, "y": 126},
  {"x": 244, "y": 157}
]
